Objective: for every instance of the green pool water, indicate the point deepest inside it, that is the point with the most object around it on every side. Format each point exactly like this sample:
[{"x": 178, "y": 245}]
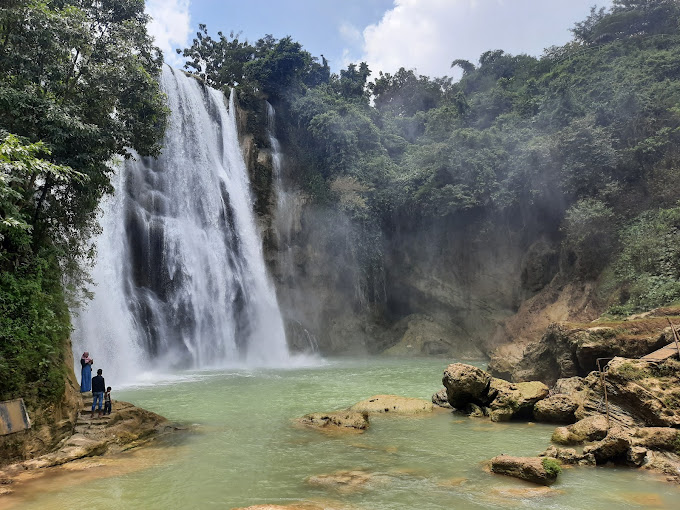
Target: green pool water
[{"x": 246, "y": 450}]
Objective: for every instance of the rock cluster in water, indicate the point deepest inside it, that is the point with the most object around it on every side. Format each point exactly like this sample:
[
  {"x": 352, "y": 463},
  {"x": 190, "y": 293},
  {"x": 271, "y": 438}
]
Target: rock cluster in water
[
  {"x": 356, "y": 417},
  {"x": 636, "y": 425}
]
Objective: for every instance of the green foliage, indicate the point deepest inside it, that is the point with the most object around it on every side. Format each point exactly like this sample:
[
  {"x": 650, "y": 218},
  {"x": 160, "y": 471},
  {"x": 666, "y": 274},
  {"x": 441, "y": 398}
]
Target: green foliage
[
  {"x": 648, "y": 266},
  {"x": 588, "y": 226},
  {"x": 551, "y": 466},
  {"x": 630, "y": 372},
  {"x": 78, "y": 87},
  {"x": 80, "y": 78},
  {"x": 576, "y": 143},
  {"x": 34, "y": 327}
]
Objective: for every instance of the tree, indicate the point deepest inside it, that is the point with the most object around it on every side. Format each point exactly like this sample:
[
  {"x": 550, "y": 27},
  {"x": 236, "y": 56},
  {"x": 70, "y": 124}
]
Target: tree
[{"x": 80, "y": 76}]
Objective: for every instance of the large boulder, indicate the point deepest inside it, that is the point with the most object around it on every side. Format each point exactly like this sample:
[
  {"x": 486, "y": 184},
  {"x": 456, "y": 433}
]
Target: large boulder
[
  {"x": 613, "y": 447},
  {"x": 592, "y": 428},
  {"x": 556, "y": 409},
  {"x": 540, "y": 470},
  {"x": 392, "y": 404},
  {"x": 466, "y": 384},
  {"x": 514, "y": 400}
]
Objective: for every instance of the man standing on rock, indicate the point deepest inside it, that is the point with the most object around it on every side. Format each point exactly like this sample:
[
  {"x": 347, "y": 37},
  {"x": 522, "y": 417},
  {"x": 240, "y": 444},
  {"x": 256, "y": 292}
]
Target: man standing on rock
[{"x": 98, "y": 389}]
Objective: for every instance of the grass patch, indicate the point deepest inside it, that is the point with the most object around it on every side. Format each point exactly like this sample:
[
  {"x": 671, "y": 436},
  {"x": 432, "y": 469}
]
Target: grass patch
[
  {"x": 551, "y": 466},
  {"x": 630, "y": 372}
]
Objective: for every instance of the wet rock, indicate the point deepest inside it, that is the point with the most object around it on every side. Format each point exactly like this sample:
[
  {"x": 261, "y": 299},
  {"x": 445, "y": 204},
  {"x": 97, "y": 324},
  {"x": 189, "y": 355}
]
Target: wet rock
[
  {"x": 569, "y": 456},
  {"x": 392, "y": 404},
  {"x": 514, "y": 400},
  {"x": 343, "y": 481},
  {"x": 347, "y": 421},
  {"x": 556, "y": 409},
  {"x": 636, "y": 455},
  {"x": 533, "y": 469},
  {"x": 466, "y": 384},
  {"x": 524, "y": 492},
  {"x": 589, "y": 429},
  {"x": 612, "y": 448},
  {"x": 439, "y": 399},
  {"x": 474, "y": 411}
]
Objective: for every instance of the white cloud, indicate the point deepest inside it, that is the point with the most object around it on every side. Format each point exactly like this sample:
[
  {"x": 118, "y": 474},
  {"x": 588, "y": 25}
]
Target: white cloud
[
  {"x": 428, "y": 35},
  {"x": 170, "y": 26}
]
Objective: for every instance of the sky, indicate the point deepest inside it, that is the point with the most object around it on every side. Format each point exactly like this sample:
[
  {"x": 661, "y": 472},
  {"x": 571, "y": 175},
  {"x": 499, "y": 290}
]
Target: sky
[{"x": 425, "y": 35}]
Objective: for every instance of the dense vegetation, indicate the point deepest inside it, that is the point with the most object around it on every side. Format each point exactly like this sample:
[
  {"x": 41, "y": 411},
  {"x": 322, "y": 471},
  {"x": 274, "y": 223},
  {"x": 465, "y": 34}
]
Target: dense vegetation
[
  {"x": 77, "y": 87},
  {"x": 583, "y": 138}
]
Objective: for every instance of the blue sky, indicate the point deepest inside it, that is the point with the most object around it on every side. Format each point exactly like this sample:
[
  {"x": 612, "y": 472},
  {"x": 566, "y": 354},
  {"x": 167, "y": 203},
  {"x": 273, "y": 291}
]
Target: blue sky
[{"x": 425, "y": 35}]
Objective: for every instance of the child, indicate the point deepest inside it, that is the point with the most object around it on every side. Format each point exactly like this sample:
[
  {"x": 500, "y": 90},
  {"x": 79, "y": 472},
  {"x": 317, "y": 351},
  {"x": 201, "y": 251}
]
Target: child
[{"x": 107, "y": 401}]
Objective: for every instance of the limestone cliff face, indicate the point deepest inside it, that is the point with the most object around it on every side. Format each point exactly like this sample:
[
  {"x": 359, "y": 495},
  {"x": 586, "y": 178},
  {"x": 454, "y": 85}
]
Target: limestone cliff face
[{"x": 441, "y": 288}]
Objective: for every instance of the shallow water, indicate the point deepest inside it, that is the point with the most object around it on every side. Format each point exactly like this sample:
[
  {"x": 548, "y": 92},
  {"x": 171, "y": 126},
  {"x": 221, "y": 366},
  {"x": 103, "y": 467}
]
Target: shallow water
[{"x": 247, "y": 451}]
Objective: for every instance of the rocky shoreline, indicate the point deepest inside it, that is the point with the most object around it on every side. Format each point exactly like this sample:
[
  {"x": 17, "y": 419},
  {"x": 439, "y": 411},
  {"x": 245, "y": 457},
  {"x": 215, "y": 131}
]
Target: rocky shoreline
[
  {"x": 634, "y": 424},
  {"x": 126, "y": 428}
]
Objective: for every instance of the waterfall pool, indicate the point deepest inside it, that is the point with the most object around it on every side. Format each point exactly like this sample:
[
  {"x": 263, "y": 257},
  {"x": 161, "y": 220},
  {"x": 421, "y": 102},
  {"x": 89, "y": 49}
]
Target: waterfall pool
[{"x": 246, "y": 450}]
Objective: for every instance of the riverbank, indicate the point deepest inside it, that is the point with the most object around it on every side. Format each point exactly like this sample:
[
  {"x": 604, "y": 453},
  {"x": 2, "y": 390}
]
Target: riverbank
[
  {"x": 93, "y": 436},
  {"x": 250, "y": 451}
]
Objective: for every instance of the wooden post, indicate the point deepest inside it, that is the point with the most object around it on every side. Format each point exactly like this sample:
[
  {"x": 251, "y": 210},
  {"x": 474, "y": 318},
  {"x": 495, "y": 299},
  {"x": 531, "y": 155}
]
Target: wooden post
[
  {"x": 603, "y": 381},
  {"x": 675, "y": 336}
]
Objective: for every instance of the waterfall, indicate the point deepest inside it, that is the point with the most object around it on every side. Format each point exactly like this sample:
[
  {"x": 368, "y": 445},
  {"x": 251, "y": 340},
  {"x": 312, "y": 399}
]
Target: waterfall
[
  {"x": 180, "y": 275},
  {"x": 286, "y": 221}
]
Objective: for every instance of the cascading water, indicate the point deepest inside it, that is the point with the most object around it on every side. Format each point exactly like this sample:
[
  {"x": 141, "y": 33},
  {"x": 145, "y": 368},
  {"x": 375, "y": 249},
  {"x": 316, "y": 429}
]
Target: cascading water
[
  {"x": 286, "y": 221},
  {"x": 180, "y": 274}
]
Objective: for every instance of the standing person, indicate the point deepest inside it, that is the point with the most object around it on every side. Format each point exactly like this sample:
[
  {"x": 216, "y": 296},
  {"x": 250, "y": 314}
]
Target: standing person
[
  {"x": 98, "y": 389},
  {"x": 107, "y": 401},
  {"x": 86, "y": 372}
]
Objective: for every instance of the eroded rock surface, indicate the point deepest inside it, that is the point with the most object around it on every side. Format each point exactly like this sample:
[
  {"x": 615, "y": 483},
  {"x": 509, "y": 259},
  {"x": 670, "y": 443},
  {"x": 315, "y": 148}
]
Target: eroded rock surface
[
  {"x": 531, "y": 469},
  {"x": 392, "y": 404},
  {"x": 348, "y": 421},
  {"x": 558, "y": 408}
]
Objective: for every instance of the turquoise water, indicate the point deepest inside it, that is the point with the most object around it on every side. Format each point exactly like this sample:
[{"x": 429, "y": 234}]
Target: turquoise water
[{"x": 246, "y": 450}]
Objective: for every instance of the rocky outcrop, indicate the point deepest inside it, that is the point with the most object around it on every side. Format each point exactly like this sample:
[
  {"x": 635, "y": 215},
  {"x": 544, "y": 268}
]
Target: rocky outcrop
[
  {"x": 356, "y": 418},
  {"x": 567, "y": 350},
  {"x": 51, "y": 423},
  {"x": 472, "y": 390},
  {"x": 126, "y": 427},
  {"x": 514, "y": 400},
  {"x": 439, "y": 399},
  {"x": 392, "y": 404},
  {"x": 558, "y": 408},
  {"x": 612, "y": 447},
  {"x": 466, "y": 384},
  {"x": 540, "y": 470},
  {"x": 337, "y": 421},
  {"x": 639, "y": 394},
  {"x": 569, "y": 456},
  {"x": 592, "y": 428}
]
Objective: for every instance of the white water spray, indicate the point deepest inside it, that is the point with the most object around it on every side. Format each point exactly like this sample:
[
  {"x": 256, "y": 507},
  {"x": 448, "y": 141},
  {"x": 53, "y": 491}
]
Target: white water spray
[{"x": 181, "y": 280}]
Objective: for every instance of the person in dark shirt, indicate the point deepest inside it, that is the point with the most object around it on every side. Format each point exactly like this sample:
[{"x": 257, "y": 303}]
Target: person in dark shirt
[{"x": 98, "y": 389}]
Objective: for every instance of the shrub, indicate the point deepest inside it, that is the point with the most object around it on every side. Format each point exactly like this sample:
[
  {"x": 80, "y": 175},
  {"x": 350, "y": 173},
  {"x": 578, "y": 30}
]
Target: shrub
[{"x": 551, "y": 466}]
